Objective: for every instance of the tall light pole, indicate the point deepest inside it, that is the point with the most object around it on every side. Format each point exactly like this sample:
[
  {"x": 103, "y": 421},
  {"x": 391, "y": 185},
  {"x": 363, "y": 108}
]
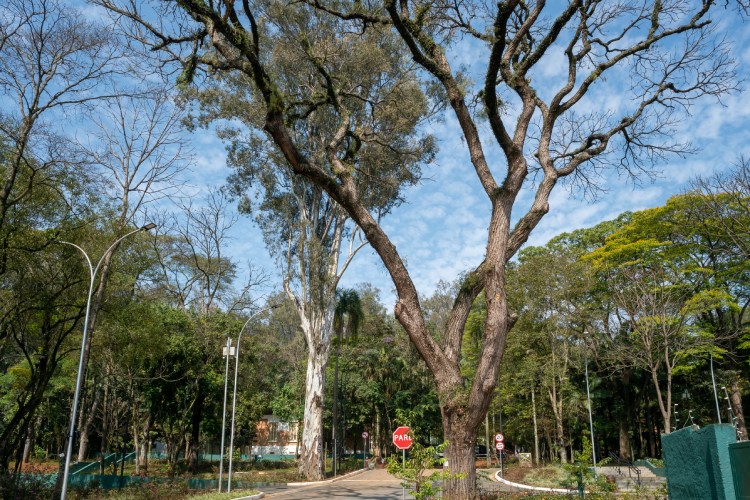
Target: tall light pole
[
  {"x": 234, "y": 396},
  {"x": 228, "y": 352},
  {"x": 591, "y": 418},
  {"x": 79, "y": 378}
]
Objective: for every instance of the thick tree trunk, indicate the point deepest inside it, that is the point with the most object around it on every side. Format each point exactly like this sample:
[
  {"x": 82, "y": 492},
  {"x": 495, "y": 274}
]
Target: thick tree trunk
[
  {"x": 311, "y": 461},
  {"x": 461, "y": 439},
  {"x": 624, "y": 439}
]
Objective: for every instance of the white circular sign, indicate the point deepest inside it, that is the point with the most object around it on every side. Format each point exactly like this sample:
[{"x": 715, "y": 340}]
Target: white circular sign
[
  {"x": 499, "y": 438},
  {"x": 500, "y": 446},
  {"x": 365, "y": 434}
]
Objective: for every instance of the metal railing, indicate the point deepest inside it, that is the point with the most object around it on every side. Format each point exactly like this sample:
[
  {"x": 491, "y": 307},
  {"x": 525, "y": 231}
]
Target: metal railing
[{"x": 619, "y": 463}]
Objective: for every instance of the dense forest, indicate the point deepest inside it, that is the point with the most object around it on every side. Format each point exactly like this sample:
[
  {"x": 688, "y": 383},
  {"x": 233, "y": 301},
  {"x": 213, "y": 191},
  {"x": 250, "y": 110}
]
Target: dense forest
[{"x": 111, "y": 258}]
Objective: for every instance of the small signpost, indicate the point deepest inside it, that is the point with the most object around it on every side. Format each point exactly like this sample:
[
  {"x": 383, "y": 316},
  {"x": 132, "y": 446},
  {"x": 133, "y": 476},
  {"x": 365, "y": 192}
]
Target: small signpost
[
  {"x": 402, "y": 440},
  {"x": 500, "y": 446}
]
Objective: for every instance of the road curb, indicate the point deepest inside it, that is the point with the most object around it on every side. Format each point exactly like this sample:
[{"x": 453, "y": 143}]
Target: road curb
[
  {"x": 251, "y": 497},
  {"x": 533, "y": 488}
]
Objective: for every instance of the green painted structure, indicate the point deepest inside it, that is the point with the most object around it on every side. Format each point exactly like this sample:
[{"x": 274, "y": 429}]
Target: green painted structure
[
  {"x": 697, "y": 462},
  {"x": 739, "y": 453}
]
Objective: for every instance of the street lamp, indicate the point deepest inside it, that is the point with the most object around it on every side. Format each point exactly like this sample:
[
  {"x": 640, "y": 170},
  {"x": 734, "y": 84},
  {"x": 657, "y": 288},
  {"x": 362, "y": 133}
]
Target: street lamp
[
  {"x": 79, "y": 378},
  {"x": 234, "y": 396},
  {"x": 228, "y": 352}
]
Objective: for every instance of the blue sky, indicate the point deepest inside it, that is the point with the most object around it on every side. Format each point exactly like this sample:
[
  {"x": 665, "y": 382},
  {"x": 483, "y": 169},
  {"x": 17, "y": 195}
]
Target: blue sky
[{"x": 441, "y": 229}]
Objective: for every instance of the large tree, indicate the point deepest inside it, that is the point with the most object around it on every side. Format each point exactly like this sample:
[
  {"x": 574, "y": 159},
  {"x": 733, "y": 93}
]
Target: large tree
[
  {"x": 667, "y": 51},
  {"x": 311, "y": 236}
]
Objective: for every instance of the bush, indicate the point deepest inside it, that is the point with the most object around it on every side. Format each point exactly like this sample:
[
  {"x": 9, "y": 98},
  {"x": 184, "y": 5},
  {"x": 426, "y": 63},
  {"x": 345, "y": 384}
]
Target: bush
[{"x": 26, "y": 486}]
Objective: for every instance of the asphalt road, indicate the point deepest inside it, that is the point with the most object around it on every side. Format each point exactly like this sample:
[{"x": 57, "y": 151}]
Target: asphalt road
[{"x": 370, "y": 485}]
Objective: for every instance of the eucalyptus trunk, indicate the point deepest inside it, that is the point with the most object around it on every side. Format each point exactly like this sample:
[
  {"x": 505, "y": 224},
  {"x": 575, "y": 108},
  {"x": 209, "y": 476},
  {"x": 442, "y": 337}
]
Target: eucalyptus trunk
[{"x": 311, "y": 461}]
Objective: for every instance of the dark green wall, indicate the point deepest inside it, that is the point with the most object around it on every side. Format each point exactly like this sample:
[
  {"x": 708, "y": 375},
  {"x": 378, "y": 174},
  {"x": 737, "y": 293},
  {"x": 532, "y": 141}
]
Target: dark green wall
[
  {"x": 740, "y": 455},
  {"x": 697, "y": 462}
]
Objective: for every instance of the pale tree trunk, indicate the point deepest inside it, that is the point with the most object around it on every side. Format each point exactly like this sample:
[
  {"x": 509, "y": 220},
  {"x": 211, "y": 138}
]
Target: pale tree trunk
[
  {"x": 664, "y": 409},
  {"x": 28, "y": 447},
  {"x": 318, "y": 329},
  {"x": 311, "y": 461},
  {"x": 557, "y": 411}
]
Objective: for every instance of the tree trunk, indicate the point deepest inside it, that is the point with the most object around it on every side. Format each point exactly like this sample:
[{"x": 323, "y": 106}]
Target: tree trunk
[
  {"x": 735, "y": 397},
  {"x": 29, "y": 444},
  {"x": 87, "y": 424},
  {"x": 460, "y": 452},
  {"x": 624, "y": 428},
  {"x": 311, "y": 461},
  {"x": 624, "y": 439},
  {"x": 194, "y": 438}
]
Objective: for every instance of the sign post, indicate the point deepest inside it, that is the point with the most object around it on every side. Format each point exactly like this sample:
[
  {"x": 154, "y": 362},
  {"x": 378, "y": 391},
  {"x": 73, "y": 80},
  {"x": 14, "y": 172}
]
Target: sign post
[
  {"x": 500, "y": 446},
  {"x": 402, "y": 440}
]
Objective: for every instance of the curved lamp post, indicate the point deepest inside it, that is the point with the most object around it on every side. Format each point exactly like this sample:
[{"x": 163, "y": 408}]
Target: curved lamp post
[
  {"x": 234, "y": 396},
  {"x": 79, "y": 379}
]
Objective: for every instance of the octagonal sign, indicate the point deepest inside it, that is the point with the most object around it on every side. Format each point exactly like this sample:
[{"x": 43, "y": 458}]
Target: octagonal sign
[{"x": 402, "y": 438}]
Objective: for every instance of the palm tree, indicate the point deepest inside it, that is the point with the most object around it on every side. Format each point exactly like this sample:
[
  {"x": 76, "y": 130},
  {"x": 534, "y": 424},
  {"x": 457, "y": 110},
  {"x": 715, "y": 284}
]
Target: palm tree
[{"x": 348, "y": 315}]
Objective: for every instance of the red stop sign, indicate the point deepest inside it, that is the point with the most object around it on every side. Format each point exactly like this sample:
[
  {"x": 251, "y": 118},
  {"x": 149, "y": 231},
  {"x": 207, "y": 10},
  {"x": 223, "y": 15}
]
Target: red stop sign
[{"x": 402, "y": 438}]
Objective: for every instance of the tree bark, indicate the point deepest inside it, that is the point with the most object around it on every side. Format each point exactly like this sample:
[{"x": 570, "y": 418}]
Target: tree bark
[
  {"x": 735, "y": 397},
  {"x": 624, "y": 429},
  {"x": 194, "y": 438},
  {"x": 87, "y": 424},
  {"x": 461, "y": 438},
  {"x": 311, "y": 461}
]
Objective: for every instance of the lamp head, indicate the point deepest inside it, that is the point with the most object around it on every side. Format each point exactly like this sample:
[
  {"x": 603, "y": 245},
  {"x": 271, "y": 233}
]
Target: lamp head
[{"x": 148, "y": 226}]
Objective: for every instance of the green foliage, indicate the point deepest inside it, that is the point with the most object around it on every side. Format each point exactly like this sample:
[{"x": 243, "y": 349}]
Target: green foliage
[
  {"x": 413, "y": 471},
  {"x": 581, "y": 474}
]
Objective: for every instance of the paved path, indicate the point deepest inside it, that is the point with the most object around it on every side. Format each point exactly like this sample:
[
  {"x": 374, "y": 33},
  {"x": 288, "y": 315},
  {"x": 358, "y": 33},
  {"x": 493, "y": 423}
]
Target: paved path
[{"x": 369, "y": 485}]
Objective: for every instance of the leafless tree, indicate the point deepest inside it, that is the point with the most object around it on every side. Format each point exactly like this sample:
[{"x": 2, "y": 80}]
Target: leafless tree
[
  {"x": 138, "y": 145},
  {"x": 654, "y": 329},
  {"x": 193, "y": 270},
  {"x": 54, "y": 62}
]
